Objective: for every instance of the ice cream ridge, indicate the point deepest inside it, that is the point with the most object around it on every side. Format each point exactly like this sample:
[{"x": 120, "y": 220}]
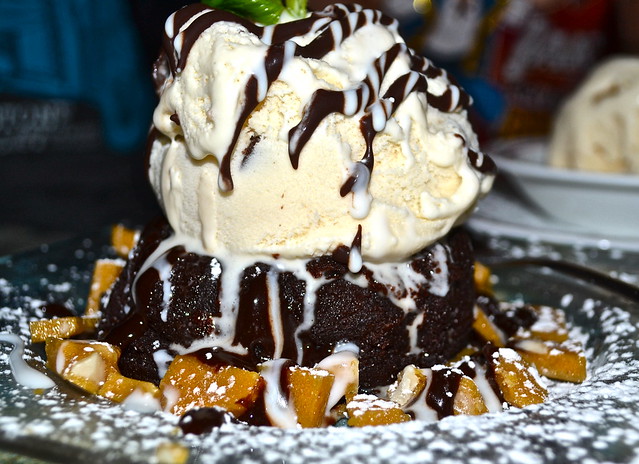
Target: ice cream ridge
[{"x": 312, "y": 174}]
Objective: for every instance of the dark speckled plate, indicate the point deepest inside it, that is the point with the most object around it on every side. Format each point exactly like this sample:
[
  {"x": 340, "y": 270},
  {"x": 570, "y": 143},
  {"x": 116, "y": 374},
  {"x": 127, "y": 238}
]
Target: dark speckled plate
[{"x": 592, "y": 422}]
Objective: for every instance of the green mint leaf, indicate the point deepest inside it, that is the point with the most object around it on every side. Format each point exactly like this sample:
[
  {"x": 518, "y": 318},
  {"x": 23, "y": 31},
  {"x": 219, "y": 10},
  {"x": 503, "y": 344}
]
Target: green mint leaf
[
  {"x": 296, "y": 8},
  {"x": 259, "y": 11}
]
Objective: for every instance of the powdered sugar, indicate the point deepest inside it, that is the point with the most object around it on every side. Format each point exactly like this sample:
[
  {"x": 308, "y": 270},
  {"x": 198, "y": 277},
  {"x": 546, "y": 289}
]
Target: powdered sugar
[{"x": 591, "y": 422}]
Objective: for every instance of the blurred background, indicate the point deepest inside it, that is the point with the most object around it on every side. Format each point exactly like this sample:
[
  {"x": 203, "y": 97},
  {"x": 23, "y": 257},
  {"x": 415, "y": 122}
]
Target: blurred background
[{"x": 76, "y": 97}]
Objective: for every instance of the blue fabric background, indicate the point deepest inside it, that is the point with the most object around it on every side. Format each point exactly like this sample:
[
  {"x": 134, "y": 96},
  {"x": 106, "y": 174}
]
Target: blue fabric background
[{"x": 80, "y": 50}]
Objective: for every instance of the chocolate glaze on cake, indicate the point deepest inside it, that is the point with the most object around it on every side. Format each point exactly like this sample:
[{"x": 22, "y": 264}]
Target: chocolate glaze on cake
[{"x": 169, "y": 301}]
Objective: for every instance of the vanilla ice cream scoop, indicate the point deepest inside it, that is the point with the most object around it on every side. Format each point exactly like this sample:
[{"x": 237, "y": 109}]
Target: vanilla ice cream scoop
[
  {"x": 292, "y": 140},
  {"x": 598, "y": 127}
]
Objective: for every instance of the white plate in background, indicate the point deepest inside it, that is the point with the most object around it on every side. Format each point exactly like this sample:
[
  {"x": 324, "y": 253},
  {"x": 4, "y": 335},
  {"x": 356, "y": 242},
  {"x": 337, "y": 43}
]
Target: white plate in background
[{"x": 558, "y": 205}]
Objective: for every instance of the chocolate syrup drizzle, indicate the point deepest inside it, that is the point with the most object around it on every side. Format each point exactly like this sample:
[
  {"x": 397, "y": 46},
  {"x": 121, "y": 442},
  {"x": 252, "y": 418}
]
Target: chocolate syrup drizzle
[
  {"x": 440, "y": 394},
  {"x": 333, "y": 25},
  {"x": 442, "y": 391}
]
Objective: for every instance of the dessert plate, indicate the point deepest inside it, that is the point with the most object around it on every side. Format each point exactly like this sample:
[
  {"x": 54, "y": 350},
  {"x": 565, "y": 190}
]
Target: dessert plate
[
  {"x": 593, "y": 421},
  {"x": 533, "y": 200}
]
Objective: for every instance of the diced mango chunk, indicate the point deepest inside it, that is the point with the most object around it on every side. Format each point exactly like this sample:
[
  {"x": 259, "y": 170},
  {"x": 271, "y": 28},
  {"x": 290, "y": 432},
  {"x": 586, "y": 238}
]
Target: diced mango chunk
[
  {"x": 310, "y": 389},
  {"x": 86, "y": 364},
  {"x": 481, "y": 277},
  {"x": 517, "y": 379},
  {"x": 123, "y": 239},
  {"x": 561, "y": 361},
  {"x": 104, "y": 274},
  {"x": 118, "y": 388},
  {"x": 92, "y": 366},
  {"x": 190, "y": 383},
  {"x": 410, "y": 383},
  {"x": 370, "y": 410},
  {"x": 550, "y": 324},
  {"x": 338, "y": 413},
  {"x": 468, "y": 399},
  {"x": 487, "y": 329},
  {"x": 61, "y": 327}
]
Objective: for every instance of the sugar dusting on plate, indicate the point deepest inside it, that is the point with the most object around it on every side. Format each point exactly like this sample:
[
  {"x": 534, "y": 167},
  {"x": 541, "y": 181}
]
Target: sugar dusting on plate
[{"x": 587, "y": 423}]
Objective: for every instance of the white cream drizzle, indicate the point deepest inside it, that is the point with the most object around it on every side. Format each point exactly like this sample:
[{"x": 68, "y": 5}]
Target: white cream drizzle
[
  {"x": 355, "y": 261},
  {"x": 274, "y": 312},
  {"x": 164, "y": 270},
  {"x": 412, "y": 333},
  {"x": 343, "y": 365},
  {"x": 488, "y": 394},
  {"x": 141, "y": 401},
  {"x": 362, "y": 198},
  {"x": 312, "y": 286},
  {"x": 402, "y": 281},
  {"x": 23, "y": 373},
  {"x": 171, "y": 397},
  {"x": 162, "y": 359},
  {"x": 278, "y": 408},
  {"x": 440, "y": 280},
  {"x": 532, "y": 346},
  {"x": 419, "y": 407},
  {"x": 61, "y": 360},
  {"x": 180, "y": 36}
]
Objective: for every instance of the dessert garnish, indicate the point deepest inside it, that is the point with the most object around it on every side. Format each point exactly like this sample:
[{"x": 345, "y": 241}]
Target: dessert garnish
[
  {"x": 23, "y": 373},
  {"x": 265, "y": 12}
]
